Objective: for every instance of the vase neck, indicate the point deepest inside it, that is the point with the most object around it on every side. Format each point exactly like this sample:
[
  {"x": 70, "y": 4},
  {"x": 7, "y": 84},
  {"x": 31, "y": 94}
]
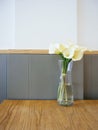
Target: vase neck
[
  {"x": 66, "y": 78},
  {"x": 65, "y": 66}
]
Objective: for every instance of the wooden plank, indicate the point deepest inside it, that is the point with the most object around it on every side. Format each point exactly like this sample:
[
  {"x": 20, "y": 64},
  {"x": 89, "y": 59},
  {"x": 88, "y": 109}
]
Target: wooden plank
[
  {"x": 27, "y": 51},
  {"x": 91, "y": 52},
  {"x": 37, "y": 51},
  {"x": 48, "y": 115}
]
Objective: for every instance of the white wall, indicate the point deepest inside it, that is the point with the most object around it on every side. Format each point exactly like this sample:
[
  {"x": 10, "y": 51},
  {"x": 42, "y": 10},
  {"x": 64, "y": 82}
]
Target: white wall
[
  {"x": 88, "y": 23},
  {"x": 41, "y": 22},
  {"x": 37, "y": 23},
  {"x": 7, "y": 21}
]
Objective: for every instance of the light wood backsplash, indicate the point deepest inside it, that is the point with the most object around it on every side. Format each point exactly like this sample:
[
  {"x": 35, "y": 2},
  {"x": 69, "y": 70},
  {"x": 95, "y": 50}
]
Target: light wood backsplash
[
  {"x": 27, "y": 51},
  {"x": 35, "y": 51}
]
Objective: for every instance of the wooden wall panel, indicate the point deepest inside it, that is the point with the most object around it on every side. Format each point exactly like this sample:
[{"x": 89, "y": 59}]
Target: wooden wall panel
[
  {"x": 36, "y": 76},
  {"x": 77, "y": 76},
  {"x": 91, "y": 76},
  {"x": 3, "y": 77},
  {"x": 17, "y": 76}
]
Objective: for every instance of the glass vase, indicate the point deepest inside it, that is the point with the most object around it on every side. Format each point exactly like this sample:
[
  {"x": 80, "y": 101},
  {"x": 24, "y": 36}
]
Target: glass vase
[{"x": 65, "y": 88}]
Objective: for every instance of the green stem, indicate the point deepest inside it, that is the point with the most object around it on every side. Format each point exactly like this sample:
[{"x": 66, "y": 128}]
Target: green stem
[
  {"x": 65, "y": 63},
  {"x": 65, "y": 89},
  {"x": 62, "y": 90}
]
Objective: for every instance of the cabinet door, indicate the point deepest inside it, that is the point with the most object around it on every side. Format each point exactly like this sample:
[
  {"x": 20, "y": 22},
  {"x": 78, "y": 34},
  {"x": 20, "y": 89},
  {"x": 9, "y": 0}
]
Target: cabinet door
[
  {"x": 36, "y": 76},
  {"x": 2, "y": 77},
  {"x": 17, "y": 76},
  {"x": 78, "y": 79},
  {"x": 91, "y": 76},
  {"x": 43, "y": 76}
]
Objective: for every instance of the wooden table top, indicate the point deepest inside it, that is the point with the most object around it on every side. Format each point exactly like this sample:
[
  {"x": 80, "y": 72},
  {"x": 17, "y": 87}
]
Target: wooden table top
[{"x": 48, "y": 115}]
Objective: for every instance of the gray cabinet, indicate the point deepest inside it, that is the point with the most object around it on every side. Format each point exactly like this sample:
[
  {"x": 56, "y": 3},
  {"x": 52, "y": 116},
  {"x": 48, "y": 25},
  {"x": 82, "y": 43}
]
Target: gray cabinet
[
  {"x": 32, "y": 76},
  {"x": 78, "y": 79},
  {"x": 91, "y": 76},
  {"x": 36, "y": 76},
  {"x": 17, "y": 76},
  {"x": 3, "y": 77},
  {"x": 43, "y": 76}
]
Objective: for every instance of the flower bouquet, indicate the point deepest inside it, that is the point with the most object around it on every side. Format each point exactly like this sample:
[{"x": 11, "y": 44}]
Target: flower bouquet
[{"x": 68, "y": 54}]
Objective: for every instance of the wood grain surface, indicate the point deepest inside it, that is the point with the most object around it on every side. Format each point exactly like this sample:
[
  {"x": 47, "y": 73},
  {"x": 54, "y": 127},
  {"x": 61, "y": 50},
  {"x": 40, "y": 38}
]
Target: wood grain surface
[
  {"x": 24, "y": 51},
  {"x": 48, "y": 115},
  {"x": 35, "y": 51}
]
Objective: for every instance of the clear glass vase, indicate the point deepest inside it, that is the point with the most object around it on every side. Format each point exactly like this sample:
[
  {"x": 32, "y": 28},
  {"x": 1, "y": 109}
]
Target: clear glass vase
[{"x": 65, "y": 88}]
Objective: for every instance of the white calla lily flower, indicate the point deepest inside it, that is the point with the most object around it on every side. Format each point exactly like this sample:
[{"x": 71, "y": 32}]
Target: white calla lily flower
[
  {"x": 68, "y": 53},
  {"x": 62, "y": 47},
  {"x": 77, "y": 56},
  {"x": 78, "y": 53},
  {"x": 56, "y": 51}
]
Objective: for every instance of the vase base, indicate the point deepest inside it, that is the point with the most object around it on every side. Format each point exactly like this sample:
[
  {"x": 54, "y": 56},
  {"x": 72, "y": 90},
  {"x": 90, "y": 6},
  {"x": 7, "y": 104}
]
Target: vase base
[{"x": 65, "y": 103}]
